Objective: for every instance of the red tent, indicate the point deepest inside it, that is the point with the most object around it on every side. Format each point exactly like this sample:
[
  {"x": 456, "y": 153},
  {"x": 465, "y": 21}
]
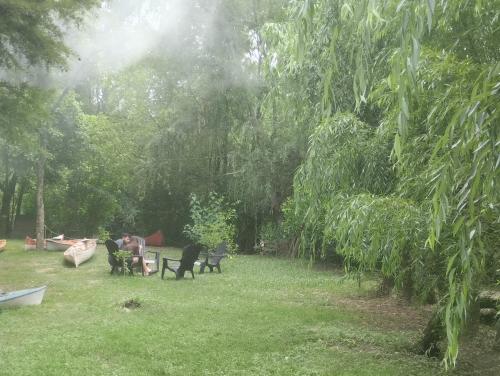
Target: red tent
[{"x": 157, "y": 239}]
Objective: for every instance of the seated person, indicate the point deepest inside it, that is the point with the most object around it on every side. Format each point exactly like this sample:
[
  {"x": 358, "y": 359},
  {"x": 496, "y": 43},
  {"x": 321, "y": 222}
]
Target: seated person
[
  {"x": 132, "y": 244},
  {"x": 119, "y": 242}
]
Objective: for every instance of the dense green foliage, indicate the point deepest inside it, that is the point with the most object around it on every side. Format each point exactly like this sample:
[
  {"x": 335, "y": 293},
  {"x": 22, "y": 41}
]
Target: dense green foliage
[
  {"x": 435, "y": 94},
  {"x": 365, "y": 132},
  {"x": 213, "y": 222},
  {"x": 33, "y": 33}
]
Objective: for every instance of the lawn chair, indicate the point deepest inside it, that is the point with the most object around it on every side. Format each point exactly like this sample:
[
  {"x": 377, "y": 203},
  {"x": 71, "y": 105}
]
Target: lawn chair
[
  {"x": 190, "y": 254},
  {"x": 213, "y": 259},
  {"x": 115, "y": 263},
  {"x": 152, "y": 259}
]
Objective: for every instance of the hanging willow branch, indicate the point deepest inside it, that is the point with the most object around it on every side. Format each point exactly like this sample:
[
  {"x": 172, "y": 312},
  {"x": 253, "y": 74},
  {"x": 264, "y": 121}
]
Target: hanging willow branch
[{"x": 385, "y": 40}]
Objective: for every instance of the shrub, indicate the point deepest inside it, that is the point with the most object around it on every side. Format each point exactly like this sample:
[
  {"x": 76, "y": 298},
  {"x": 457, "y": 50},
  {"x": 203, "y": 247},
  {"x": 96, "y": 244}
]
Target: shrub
[
  {"x": 123, "y": 257},
  {"x": 213, "y": 222},
  {"x": 102, "y": 234}
]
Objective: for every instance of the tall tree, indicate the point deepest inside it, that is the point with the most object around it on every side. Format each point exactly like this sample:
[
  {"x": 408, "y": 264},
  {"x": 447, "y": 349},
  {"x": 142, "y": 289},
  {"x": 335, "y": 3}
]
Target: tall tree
[
  {"x": 417, "y": 63},
  {"x": 33, "y": 35}
]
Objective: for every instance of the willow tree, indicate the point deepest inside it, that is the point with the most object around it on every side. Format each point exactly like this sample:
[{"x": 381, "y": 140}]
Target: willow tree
[{"x": 432, "y": 71}]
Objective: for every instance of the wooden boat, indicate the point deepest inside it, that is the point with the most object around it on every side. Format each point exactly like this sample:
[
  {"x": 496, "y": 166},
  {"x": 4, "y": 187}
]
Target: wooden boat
[
  {"x": 30, "y": 243},
  {"x": 156, "y": 240},
  {"x": 81, "y": 251},
  {"x": 3, "y": 243},
  {"x": 32, "y": 296},
  {"x": 60, "y": 245}
]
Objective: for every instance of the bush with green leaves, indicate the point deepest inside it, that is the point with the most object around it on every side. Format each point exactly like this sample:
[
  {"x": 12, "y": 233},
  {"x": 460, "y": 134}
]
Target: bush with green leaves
[
  {"x": 213, "y": 222},
  {"x": 103, "y": 234},
  {"x": 346, "y": 157},
  {"x": 123, "y": 258},
  {"x": 271, "y": 231}
]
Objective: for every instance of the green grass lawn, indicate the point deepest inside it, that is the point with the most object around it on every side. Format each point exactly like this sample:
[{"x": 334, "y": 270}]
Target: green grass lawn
[{"x": 261, "y": 316}]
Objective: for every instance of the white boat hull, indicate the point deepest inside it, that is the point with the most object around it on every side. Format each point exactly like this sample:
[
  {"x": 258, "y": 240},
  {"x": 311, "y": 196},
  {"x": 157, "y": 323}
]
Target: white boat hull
[
  {"x": 59, "y": 245},
  {"x": 80, "y": 252},
  {"x": 22, "y": 297}
]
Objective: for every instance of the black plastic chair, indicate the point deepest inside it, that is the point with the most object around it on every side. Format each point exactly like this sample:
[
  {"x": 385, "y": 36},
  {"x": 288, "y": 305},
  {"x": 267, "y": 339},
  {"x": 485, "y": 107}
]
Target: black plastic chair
[
  {"x": 190, "y": 254},
  {"x": 114, "y": 262},
  {"x": 213, "y": 259}
]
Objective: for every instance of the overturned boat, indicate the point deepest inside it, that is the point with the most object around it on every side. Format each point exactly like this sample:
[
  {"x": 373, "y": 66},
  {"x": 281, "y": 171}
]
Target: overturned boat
[
  {"x": 80, "y": 251},
  {"x": 60, "y": 244},
  {"x": 25, "y": 297},
  {"x": 156, "y": 240}
]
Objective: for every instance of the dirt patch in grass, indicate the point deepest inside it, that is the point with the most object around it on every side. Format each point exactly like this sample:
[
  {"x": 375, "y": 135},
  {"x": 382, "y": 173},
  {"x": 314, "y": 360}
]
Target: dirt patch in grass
[
  {"x": 387, "y": 313},
  {"x": 477, "y": 356},
  {"x": 132, "y": 304}
]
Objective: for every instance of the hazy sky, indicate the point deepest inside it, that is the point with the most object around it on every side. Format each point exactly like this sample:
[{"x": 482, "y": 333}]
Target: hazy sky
[
  {"x": 123, "y": 31},
  {"x": 117, "y": 34}
]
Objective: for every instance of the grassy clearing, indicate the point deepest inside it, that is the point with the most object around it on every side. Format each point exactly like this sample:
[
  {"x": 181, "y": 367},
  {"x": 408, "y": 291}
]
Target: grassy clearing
[{"x": 261, "y": 316}]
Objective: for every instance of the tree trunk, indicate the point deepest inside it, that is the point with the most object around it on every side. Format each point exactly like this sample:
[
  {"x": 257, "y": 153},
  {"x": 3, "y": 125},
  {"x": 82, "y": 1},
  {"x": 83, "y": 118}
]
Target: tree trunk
[
  {"x": 10, "y": 202},
  {"x": 40, "y": 175},
  {"x": 7, "y": 198},
  {"x": 294, "y": 247},
  {"x": 433, "y": 334},
  {"x": 473, "y": 316},
  {"x": 4, "y": 188},
  {"x": 40, "y": 209},
  {"x": 407, "y": 289},
  {"x": 386, "y": 286},
  {"x": 16, "y": 210},
  {"x": 496, "y": 345}
]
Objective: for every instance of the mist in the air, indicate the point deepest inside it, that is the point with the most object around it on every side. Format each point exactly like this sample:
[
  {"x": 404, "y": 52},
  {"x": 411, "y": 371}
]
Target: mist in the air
[{"x": 120, "y": 33}]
